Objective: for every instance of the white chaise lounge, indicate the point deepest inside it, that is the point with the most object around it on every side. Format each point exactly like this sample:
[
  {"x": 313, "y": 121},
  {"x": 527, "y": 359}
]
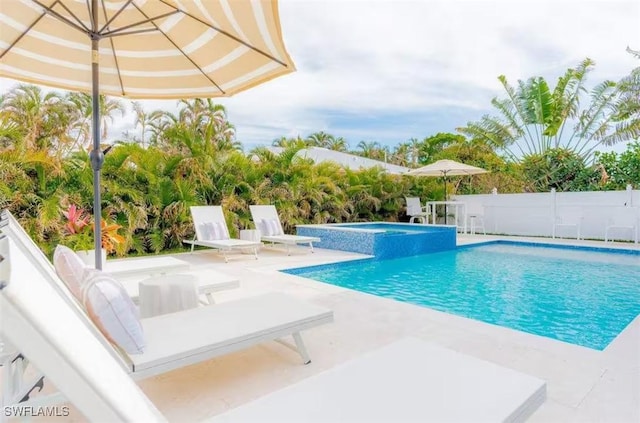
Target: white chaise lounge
[
  {"x": 34, "y": 292},
  {"x": 409, "y": 380},
  {"x": 267, "y": 221},
  {"x": 212, "y": 232}
]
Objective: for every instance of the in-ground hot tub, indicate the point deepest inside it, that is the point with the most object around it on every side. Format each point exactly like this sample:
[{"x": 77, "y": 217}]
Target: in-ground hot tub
[{"x": 383, "y": 240}]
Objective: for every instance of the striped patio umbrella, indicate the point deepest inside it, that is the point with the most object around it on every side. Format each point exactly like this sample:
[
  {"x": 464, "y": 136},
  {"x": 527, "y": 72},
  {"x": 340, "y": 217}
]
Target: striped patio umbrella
[{"x": 151, "y": 49}]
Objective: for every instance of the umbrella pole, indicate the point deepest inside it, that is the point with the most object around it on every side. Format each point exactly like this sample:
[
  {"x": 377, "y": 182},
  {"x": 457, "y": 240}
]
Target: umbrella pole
[
  {"x": 445, "y": 199},
  {"x": 96, "y": 156}
]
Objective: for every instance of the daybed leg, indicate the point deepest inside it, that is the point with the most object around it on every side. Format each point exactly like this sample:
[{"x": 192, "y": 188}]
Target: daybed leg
[
  {"x": 193, "y": 244},
  {"x": 224, "y": 254},
  {"x": 301, "y": 348},
  {"x": 311, "y": 246},
  {"x": 255, "y": 252},
  {"x": 17, "y": 390},
  {"x": 39, "y": 385}
]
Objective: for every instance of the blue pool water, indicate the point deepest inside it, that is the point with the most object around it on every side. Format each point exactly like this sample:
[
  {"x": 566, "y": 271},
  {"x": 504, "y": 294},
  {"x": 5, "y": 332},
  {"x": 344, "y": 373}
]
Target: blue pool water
[{"x": 582, "y": 296}]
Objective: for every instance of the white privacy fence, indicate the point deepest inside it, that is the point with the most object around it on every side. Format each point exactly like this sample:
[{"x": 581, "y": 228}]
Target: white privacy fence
[{"x": 538, "y": 214}]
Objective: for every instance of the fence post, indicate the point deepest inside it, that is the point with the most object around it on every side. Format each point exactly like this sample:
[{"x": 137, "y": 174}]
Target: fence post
[{"x": 554, "y": 212}]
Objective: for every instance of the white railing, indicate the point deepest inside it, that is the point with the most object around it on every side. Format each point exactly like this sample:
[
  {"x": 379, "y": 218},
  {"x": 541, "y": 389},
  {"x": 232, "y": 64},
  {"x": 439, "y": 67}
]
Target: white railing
[{"x": 537, "y": 214}]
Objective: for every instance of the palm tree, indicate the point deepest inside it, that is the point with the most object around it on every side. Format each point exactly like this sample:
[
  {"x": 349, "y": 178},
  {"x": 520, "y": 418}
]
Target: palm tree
[
  {"x": 414, "y": 148},
  {"x": 369, "y": 149},
  {"x": 337, "y": 144},
  {"x": 401, "y": 154},
  {"x": 84, "y": 111},
  {"x": 287, "y": 142},
  {"x": 144, "y": 120},
  {"x": 320, "y": 139},
  {"x": 627, "y": 109},
  {"x": 534, "y": 117},
  {"x": 44, "y": 118},
  {"x": 199, "y": 127}
]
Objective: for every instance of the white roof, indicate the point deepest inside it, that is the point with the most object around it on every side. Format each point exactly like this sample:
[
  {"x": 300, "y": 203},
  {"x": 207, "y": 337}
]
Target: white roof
[{"x": 350, "y": 161}]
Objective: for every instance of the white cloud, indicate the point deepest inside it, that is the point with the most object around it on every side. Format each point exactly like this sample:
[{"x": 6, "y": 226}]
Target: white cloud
[{"x": 420, "y": 58}]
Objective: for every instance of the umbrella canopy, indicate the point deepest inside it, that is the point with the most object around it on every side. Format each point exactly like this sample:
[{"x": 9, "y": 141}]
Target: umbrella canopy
[
  {"x": 445, "y": 168},
  {"x": 149, "y": 48},
  {"x": 153, "y": 49}
]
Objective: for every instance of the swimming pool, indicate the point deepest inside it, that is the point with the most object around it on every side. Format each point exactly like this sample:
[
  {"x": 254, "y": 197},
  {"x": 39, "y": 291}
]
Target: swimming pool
[{"x": 583, "y": 296}]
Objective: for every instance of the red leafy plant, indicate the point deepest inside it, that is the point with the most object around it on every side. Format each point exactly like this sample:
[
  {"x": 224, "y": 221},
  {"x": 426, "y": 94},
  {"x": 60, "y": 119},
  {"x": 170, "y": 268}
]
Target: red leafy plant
[{"x": 79, "y": 238}]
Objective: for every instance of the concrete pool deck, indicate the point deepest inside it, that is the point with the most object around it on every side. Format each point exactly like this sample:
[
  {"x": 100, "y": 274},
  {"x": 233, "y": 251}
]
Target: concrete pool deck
[{"x": 583, "y": 385}]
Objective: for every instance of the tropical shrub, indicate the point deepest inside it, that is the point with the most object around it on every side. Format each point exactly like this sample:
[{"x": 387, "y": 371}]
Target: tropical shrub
[
  {"x": 560, "y": 169},
  {"x": 621, "y": 169}
]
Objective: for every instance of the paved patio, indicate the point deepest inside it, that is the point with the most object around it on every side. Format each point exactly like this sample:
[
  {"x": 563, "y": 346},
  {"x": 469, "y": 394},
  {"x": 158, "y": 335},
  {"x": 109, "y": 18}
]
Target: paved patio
[{"x": 583, "y": 385}]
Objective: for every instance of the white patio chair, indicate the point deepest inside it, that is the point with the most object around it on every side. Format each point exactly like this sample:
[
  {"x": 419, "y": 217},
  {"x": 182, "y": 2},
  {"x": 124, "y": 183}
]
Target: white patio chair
[
  {"x": 567, "y": 221},
  {"x": 623, "y": 220},
  {"x": 267, "y": 221},
  {"x": 475, "y": 218},
  {"x": 212, "y": 232},
  {"x": 416, "y": 211},
  {"x": 48, "y": 326}
]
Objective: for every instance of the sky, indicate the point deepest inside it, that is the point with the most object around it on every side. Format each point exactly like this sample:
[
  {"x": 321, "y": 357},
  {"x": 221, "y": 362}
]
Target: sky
[{"x": 387, "y": 71}]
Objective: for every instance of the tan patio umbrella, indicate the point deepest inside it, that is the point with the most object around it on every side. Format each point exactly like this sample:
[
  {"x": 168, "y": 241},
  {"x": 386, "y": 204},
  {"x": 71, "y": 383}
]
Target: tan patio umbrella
[
  {"x": 445, "y": 168},
  {"x": 152, "y": 49}
]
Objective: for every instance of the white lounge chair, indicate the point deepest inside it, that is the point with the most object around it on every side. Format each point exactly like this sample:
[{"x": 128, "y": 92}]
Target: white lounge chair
[
  {"x": 211, "y": 231},
  {"x": 36, "y": 304},
  {"x": 409, "y": 380},
  {"x": 623, "y": 220},
  {"x": 267, "y": 221},
  {"x": 415, "y": 210}
]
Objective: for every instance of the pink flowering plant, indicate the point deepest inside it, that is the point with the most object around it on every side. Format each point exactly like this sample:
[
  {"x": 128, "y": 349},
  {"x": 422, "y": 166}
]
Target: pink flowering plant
[{"x": 80, "y": 238}]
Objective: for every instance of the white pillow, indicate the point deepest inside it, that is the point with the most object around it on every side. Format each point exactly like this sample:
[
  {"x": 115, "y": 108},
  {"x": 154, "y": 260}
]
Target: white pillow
[
  {"x": 265, "y": 228},
  {"x": 261, "y": 225},
  {"x": 112, "y": 311},
  {"x": 70, "y": 267},
  {"x": 221, "y": 230},
  {"x": 213, "y": 230},
  {"x": 274, "y": 227},
  {"x": 205, "y": 231}
]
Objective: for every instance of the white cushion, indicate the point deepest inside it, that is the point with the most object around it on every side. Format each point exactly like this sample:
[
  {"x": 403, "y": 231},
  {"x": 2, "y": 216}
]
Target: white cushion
[
  {"x": 70, "y": 267},
  {"x": 221, "y": 230},
  {"x": 262, "y": 227},
  {"x": 167, "y": 294},
  {"x": 213, "y": 230},
  {"x": 112, "y": 311},
  {"x": 273, "y": 227},
  {"x": 205, "y": 231}
]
